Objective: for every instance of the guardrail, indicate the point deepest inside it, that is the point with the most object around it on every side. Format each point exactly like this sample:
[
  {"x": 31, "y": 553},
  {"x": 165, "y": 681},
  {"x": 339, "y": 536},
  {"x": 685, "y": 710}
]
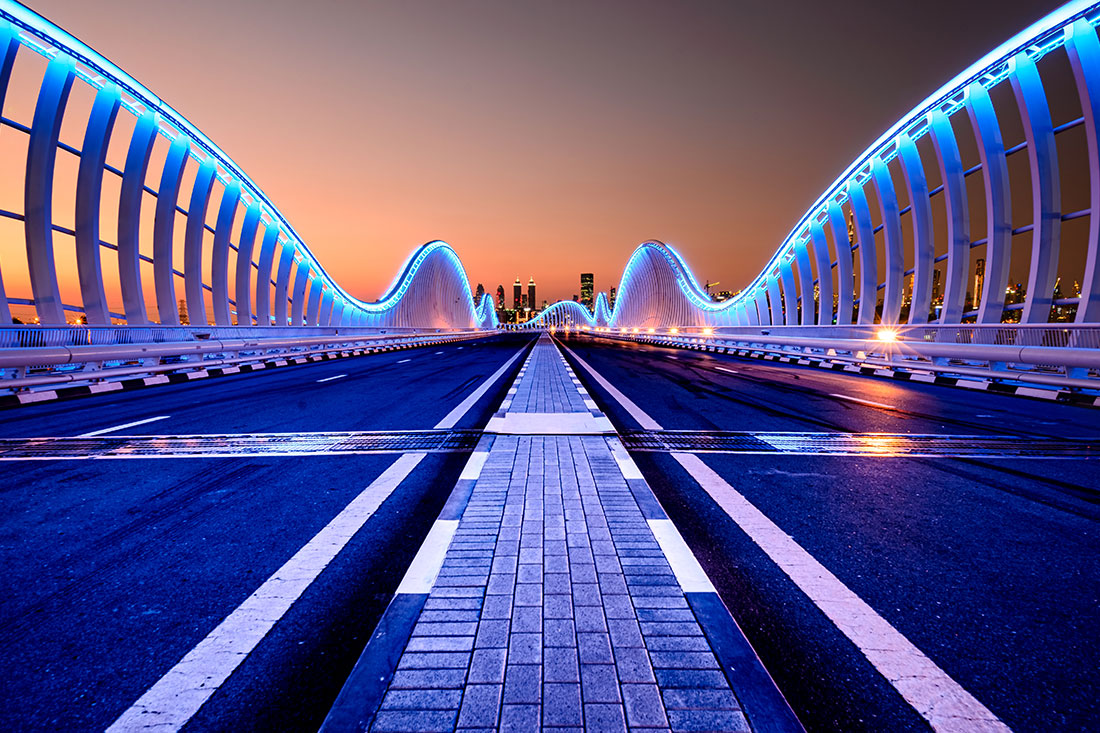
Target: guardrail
[
  {"x": 27, "y": 367},
  {"x": 1065, "y": 357}
]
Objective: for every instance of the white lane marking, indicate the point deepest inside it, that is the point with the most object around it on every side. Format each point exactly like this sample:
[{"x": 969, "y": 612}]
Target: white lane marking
[
  {"x": 636, "y": 412},
  {"x": 627, "y": 465},
  {"x": 472, "y": 469},
  {"x": 869, "y": 403},
  {"x": 403, "y": 361},
  {"x": 930, "y": 690},
  {"x": 437, "y": 353},
  {"x": 329, "y": 379},
  {"x": 104, "y": 431},
  {"x": 689, "y": 573},
  {"x": 421, "y": 575},
  {"x": 456, "y": 414},
  {"x": 549, "y": 423},
  {"x": 727, "y": 371},
  {"x": 670, "y": 356},
  {"x": 179, "y": 694}
]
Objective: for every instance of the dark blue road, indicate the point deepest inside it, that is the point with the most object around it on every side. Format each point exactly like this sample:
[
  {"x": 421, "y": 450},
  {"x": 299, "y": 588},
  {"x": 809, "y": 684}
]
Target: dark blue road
[
  {"x": 116, "y": 569},
  {"x": 988, "y": 566}
]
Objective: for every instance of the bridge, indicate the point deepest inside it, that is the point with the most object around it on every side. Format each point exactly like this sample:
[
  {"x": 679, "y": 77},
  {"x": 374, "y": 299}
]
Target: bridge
[{"x": 860, "y": 494}]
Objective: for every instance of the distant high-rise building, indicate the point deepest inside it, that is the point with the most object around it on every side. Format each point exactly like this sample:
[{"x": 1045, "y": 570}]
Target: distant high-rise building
[
  {"x": 575, "y": 298},
  {"x": 587, "y": 282},
  {"x": 184, "y": 320},
  {"x": 500, "y": 297},
  {"x": 851, "y": 229},
  {"x": 611, "y": 297},
  {"x": 517, "y": 295},
  {"x": 979, "y": 281},
  {"x": 936, "y": 275},
  {"x": 478, "y": 293},
  {"x": 531, "y": 293}
]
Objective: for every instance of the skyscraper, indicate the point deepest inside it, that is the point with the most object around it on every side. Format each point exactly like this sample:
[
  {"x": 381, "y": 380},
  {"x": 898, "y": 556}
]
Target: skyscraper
[
  {"x": 531, "y": 293},
  {"x": 500, "y": 297},
  {"x": 979, "y": 281},
  {"x": 517, "y": 295},
  {"x": 587, "y": 281},
  {"x": 478, "y": 293},
  {"x": 611, "y": 297}
]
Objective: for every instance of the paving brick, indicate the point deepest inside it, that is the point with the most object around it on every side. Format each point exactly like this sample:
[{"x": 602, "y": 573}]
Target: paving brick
[
  {"x": 527, "y": 619},
  {"x": 497, "y": 607},
  {"x": 633, "y": 665},
  {"x": 589, "y": 618},
  {"x": 423, "y": 699},
  {"x": 525, "y": 649},
  {"x": 440, "y": 644},
  {"x": 519, "y": 718},
  {"x": 689, "y": 699},
  {"x": 683, "y": 660},
  {"x": 560, "y": 664},
  {"x": 599, "y": 683},
  {"x": 480, "y": 706},
  {"x": 414, "y": 720},
  {"x": 434, "y": 660},
  {"x": 561, "y": 705},
  {"x": 643, "y": 705},
  {"x": 594, "y": 649},
  {"x": 604, "y": 718},
  {"x": 697, "y": 678},
  {"x": 427, "y": 679},
  {"x": 677, "y": 643},
  {"x": 492, "y": 633},
  {"x": 522, "y": 682},
  {"x": 487, "y": 666},
  {"x": 707, "y": 720}
]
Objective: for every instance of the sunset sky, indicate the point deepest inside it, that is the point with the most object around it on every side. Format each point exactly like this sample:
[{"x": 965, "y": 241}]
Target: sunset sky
[{"x": 548, "y": 138}]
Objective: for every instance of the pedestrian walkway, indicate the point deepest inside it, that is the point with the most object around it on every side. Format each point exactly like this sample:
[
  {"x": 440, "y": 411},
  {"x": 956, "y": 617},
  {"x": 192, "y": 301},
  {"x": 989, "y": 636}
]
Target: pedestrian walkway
[{"x": 559, "y": 597}]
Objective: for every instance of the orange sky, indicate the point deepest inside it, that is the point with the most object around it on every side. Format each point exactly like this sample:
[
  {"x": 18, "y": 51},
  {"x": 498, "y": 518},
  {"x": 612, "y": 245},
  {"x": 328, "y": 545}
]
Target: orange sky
[{"x": 541, "y": 139}]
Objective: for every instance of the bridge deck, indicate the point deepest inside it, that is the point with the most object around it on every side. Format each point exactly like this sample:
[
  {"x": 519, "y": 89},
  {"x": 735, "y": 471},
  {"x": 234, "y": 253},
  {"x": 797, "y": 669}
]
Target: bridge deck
[{"x": 559, "y": 596}]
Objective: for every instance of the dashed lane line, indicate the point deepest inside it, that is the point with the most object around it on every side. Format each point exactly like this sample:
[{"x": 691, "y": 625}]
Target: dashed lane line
[
  {"x": 934, "y": 694},
  {"x": 402, "y": 361},
  {"x": 861, "y": 401},
  {"x": 104, "y": 431},
  {"x": 331, "y": 379}
]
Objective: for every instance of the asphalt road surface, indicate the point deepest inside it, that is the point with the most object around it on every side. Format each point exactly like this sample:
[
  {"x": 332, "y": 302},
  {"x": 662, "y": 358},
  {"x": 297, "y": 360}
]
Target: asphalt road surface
[
  {"x": 988, "y": 566},
  {"x": 115, "y": 569}
]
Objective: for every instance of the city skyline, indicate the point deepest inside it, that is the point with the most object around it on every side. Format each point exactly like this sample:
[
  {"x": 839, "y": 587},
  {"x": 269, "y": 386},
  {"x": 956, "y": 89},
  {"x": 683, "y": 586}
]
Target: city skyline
[{"x": 549, "y": 147}]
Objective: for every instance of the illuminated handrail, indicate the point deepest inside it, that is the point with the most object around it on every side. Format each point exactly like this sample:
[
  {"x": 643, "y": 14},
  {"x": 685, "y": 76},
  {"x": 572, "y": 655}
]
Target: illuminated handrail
[{"x": 267, "y": 246}]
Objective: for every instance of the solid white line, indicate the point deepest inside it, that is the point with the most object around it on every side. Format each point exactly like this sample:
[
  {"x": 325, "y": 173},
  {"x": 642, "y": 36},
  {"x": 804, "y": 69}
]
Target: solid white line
[
  {"x": 179, "y": 694},
  {"x": 472, "y": 469},
  {"x": 689, "y": 574},
  {"x": 403, "y": 361},
  {"x": 122, "y": 427},
  {"x": 636, "y": 412},
  {"x": 727, "y": 371},
  {"x": 627, "y": 465},
  {"x": 456, "y": 414},
  {"x": 864, "y": 402},
  {"x": 928, "y": 689},
  {"x": 329, "y": 379},
  {"x": 421, "y": 575}
]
